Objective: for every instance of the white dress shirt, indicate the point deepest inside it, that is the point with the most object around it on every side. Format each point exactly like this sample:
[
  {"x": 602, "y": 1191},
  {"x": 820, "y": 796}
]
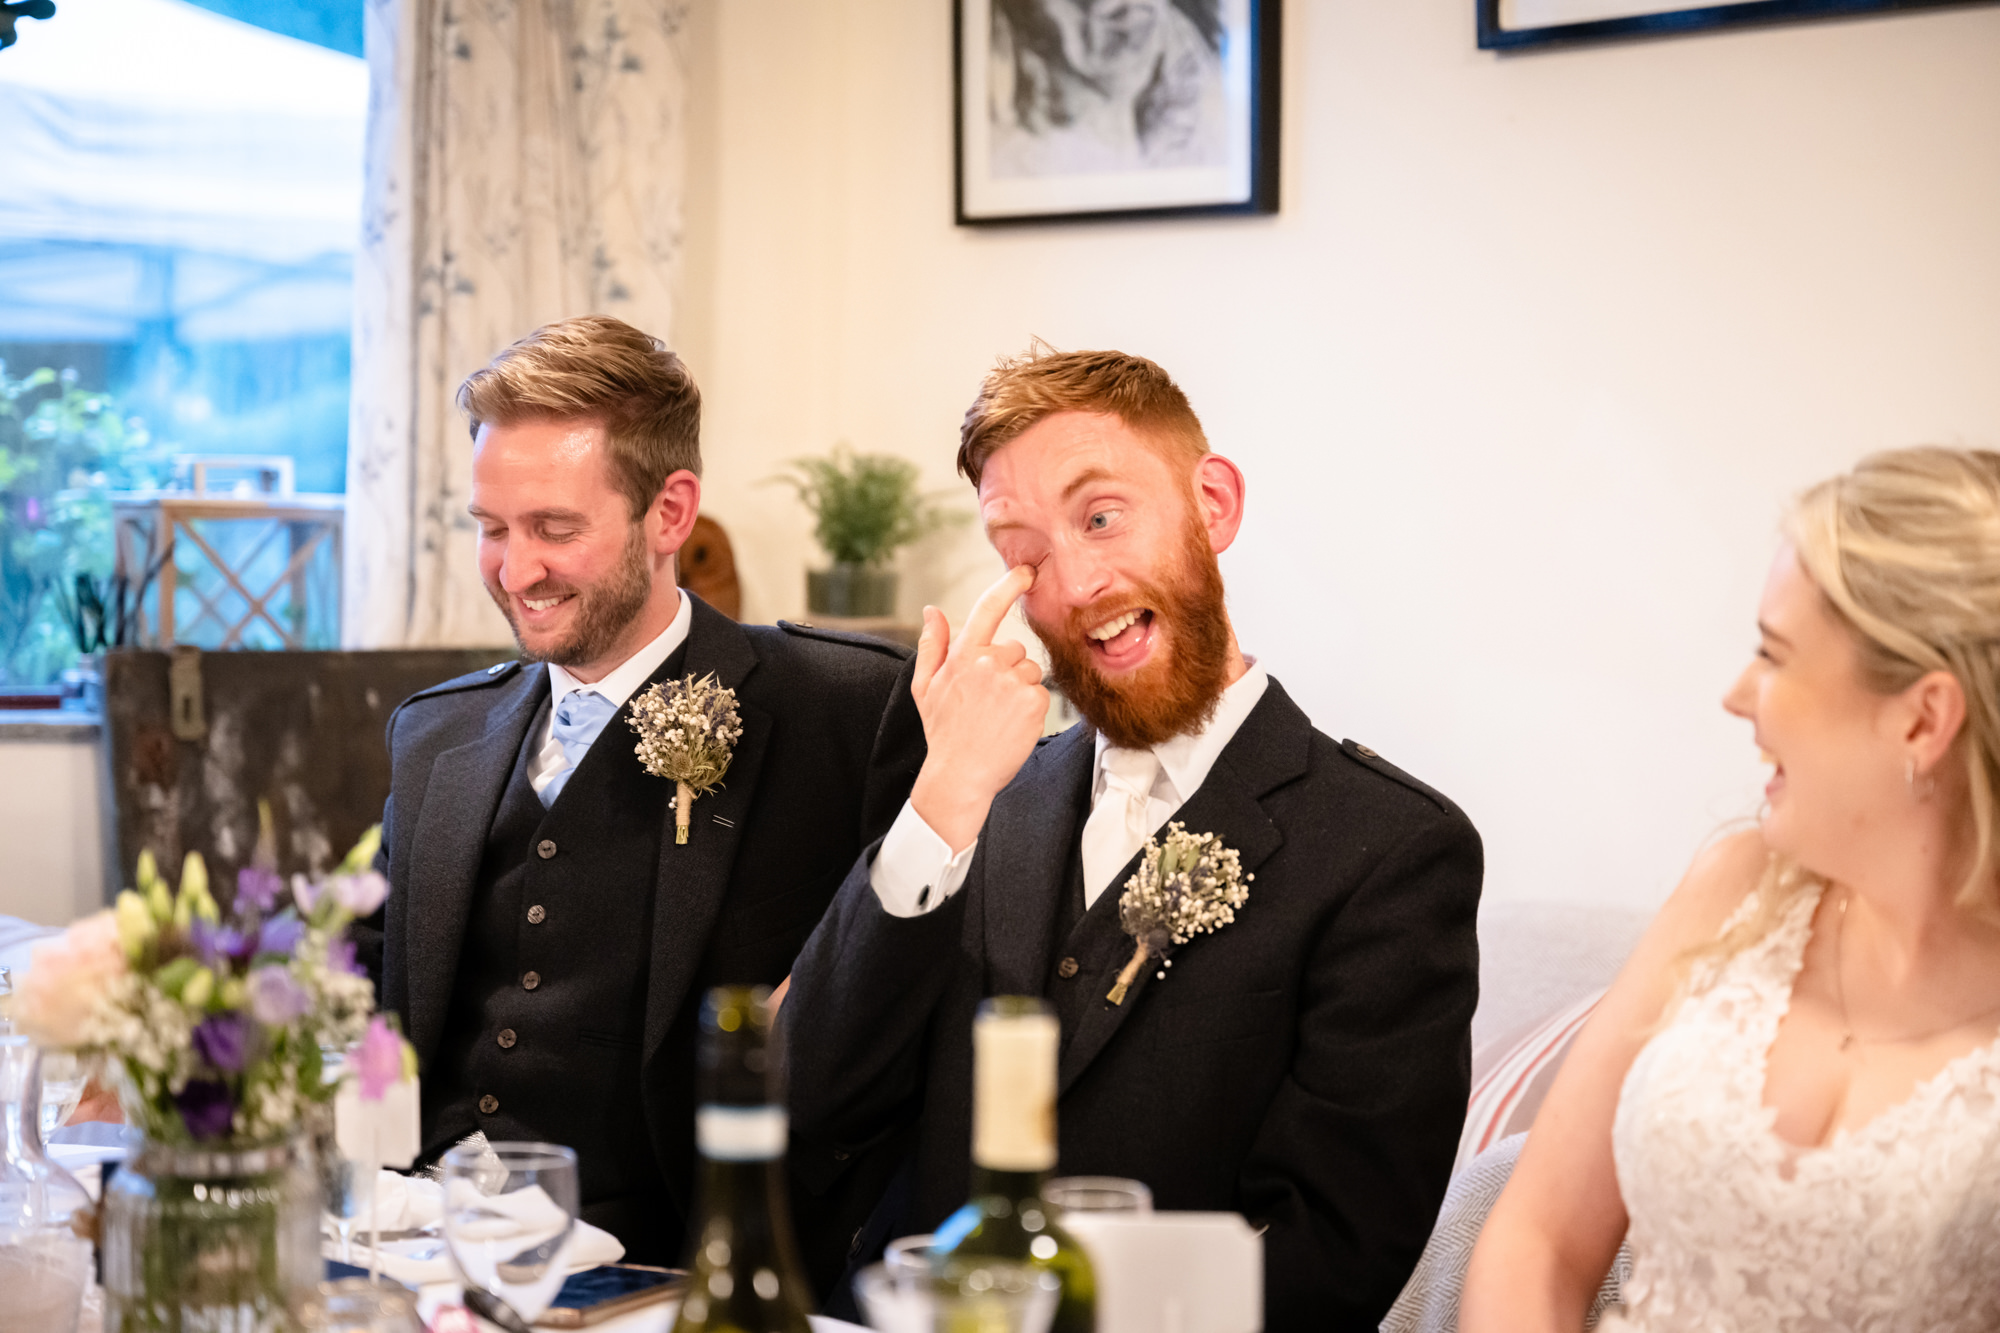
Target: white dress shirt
[
  {"x": 618, "y": 685},
  {"x": 916, "y": 871}
]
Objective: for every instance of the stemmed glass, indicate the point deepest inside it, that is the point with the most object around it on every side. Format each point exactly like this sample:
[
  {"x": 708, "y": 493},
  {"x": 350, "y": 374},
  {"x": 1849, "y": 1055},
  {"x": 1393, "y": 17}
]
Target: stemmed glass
[
  {"x": 350, "y": 1192},
  {"x": 63, "y": 1079},
  {"x": 509, "y": 1219}
]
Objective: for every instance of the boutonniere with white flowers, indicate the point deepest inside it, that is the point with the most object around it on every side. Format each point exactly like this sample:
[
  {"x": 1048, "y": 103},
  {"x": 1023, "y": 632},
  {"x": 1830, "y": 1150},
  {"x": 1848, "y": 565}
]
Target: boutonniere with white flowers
[
  {"x": 1190, "y": 885},
  {"x": 687, "y": 731}
]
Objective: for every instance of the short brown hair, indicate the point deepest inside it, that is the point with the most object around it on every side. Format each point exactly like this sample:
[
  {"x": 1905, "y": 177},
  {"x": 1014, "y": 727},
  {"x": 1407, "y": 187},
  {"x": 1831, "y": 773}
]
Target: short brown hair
[
  {"x": 594, "y": 367},
  {"x": 1021, "y": 390}
]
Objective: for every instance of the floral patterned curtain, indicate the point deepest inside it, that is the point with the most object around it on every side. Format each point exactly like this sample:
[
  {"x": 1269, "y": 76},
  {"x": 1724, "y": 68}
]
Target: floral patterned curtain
[{"x": 525, "y": 162}]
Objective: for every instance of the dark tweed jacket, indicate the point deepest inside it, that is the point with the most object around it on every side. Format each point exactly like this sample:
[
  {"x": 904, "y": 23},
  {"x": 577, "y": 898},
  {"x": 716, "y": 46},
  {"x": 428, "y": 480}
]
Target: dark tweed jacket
[
  {"x": 831, "y": 744},
  {"x": 1307, "y": 1065}
]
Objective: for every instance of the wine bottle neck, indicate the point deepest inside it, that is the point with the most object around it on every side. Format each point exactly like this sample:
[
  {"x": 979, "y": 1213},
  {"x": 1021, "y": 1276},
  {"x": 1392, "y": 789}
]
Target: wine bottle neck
[{"x": 989, "y": 1183}]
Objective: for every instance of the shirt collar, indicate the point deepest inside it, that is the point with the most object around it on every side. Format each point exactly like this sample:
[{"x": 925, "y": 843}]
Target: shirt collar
[
  {"x": 1186, "y": 760},
  {"x": 624, "y": 682}
]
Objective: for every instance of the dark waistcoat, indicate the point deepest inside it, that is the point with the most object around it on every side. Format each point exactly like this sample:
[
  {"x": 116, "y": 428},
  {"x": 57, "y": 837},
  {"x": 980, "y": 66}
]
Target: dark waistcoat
[
  {"x": 1091, "y": 938},
  {"x": 543, "y": 1036}
]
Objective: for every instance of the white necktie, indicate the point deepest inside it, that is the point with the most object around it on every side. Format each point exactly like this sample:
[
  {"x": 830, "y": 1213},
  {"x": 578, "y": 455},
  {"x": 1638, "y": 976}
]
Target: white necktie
[{"x": 1119, "y": 824}]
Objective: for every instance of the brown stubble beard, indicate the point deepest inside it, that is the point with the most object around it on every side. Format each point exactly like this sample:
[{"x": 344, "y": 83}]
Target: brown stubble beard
[
  {"x": 604, "y": 609},
  {"x": 1175, "y": 693}
]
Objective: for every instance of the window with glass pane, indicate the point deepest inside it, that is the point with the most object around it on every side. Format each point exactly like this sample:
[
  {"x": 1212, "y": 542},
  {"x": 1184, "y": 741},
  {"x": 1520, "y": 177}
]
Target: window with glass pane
[{"x": 181, "y": 208}]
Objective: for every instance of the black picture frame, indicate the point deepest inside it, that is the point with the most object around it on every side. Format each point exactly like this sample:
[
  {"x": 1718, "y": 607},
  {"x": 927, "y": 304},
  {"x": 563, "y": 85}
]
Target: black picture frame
[
  {"x": 1257, "y": 169},
  {"x": 1701, "y": 18}
]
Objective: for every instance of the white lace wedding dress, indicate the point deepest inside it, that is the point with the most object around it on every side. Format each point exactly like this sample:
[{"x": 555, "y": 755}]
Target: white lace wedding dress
[{"x": 1893, "y": 1226}]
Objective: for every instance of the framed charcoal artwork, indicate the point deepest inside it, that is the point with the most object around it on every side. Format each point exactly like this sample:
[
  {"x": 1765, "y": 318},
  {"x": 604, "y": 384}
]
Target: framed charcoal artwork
[
  {"x": 1073, "y": 109},
  {"x": 1505, "y": 24}
]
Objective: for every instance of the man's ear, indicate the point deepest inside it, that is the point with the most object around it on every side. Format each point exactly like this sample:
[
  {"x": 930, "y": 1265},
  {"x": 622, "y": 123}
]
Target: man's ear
[
  {"x": 670, "y": 518},
  {"x": 1218, "y": 499}
]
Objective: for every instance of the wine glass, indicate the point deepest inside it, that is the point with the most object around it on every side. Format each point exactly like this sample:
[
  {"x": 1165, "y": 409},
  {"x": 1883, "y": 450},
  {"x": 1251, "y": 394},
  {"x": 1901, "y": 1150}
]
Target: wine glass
[
  {"x": 991, "y": 1296},
  {"x": 509, "y": 1218},
  {"x": 63, "y": 1080},
  {"x": 1098, "y": 1194},
  {"x": 350, "y": 1192}
]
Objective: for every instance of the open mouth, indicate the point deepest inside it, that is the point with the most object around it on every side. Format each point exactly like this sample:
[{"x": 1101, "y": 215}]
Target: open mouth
[
  {"x": 1123, "y": 641},
  {"x": 1777, "y": 782},
  {"x": 540, "y": 608}
]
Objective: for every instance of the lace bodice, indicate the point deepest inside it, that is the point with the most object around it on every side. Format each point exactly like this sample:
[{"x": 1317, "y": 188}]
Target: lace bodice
[{"x": 1892, "y": 1226}]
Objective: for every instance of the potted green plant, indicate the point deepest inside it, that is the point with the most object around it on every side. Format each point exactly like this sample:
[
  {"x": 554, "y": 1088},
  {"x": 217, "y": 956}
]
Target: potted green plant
[{"x": 865, "y": 508}]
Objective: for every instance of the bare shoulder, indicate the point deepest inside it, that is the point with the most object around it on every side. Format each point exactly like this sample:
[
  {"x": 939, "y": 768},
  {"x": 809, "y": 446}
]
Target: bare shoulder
[
  {"x": 1721, "y": 877},
  {"x": 1715, "y": 885}
]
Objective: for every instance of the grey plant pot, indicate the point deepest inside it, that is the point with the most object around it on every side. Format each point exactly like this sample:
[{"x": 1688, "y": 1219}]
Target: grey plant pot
[{"x": 851, "y": 590}]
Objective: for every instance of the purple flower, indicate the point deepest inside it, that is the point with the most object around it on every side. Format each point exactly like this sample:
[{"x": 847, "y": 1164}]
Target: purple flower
[
  {"x": 360, "y": 894},
  {"x": 340, "y": 957},
  {"x": 378, "y": 1061},
  {"x": 258, "y": 887},
  {"x": 213, "y": 943},
  {"x": 223, "y": 1041},
  {"x": 281, "y": 935},
  {"x": 34, "y": 508},
  {"x": 305, "y": 893},
  {"x": 206, "y": 1108},
  {"x": 275, "y": 998}
]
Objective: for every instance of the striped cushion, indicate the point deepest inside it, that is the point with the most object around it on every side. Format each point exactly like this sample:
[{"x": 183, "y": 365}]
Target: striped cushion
[{"x": 1508, "y": 1091}]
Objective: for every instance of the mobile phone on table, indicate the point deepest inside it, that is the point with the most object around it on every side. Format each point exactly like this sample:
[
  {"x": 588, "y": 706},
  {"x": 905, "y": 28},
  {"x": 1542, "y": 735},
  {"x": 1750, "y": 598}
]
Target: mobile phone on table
[{"x": 607, "y": 1290}]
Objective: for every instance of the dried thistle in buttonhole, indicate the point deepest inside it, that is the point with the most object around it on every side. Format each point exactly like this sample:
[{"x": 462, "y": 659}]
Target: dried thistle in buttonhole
[
  {"x": 1191, "y": 885},
  {"x": 687, "y": 731}
]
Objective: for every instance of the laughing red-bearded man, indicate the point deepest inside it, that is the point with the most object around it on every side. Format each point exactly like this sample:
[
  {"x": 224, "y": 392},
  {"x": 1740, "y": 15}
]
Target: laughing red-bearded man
[{"x": 1306, "y": 1064}]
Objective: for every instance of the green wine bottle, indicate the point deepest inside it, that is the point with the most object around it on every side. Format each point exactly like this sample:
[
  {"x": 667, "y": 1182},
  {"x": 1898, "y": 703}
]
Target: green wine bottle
[
  {"x": 1015, "y": 1040},
  {"x": 743, "y": 1268}
]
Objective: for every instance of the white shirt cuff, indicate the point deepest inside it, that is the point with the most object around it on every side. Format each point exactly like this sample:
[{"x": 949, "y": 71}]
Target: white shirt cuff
[{"x": 915, "y": 871}]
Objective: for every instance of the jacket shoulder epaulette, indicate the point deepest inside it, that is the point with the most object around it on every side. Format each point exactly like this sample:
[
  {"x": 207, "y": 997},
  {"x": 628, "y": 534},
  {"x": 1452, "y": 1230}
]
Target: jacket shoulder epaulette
[
  {"x": 1368, "y": 759},
  {"x": 471, "y": 680},
  {"x": 852, "y": 640}
]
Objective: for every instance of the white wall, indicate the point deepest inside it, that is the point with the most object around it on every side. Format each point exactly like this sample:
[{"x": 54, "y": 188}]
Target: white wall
[
  {"x": 51, "y": 823},
  {"x": 1520, "y": 374}
]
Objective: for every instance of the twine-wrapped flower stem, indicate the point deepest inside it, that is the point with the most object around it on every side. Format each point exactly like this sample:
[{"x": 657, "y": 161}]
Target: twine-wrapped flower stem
[
  {"x": 1190, "y": 886},
  {"x": 687, "y": 731}
]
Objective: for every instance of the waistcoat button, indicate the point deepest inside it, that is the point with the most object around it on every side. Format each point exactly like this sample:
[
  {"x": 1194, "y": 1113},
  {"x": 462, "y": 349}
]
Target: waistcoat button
[
  {"x": 488, "y": 1104},
  {"x": 1066, "y": 968},
  {"x": 537, "y": 914},
  {"x": 545, "y": 849},
  {"x": 506, "y": 1039},
  {"x": 530, "y": 980}
]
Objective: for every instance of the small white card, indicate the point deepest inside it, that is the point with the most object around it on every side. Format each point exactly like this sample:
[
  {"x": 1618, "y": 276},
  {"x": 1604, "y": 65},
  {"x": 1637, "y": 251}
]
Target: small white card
[
  {"x": 1183, "y": 1272},
  {"x": 383, "y": 1132}
]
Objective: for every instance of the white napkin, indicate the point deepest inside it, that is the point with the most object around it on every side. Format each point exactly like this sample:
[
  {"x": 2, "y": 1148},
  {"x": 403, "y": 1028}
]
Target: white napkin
[
  {"x": 404, "y": 1203},
  {"x": 410, "y": 1202}
]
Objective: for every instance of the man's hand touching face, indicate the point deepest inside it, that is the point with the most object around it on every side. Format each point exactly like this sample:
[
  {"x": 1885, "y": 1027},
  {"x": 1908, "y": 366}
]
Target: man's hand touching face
[{"x": 983, "y": 707}]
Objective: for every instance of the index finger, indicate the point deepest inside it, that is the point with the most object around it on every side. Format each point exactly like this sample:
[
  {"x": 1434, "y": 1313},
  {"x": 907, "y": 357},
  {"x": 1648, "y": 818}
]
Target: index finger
[{"x": 992, "y": 608}]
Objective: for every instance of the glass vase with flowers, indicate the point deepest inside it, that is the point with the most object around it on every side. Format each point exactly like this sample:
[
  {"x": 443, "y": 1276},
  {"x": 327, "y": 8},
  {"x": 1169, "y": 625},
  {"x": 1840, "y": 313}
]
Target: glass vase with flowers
[{"x": 212, "y": 1025}]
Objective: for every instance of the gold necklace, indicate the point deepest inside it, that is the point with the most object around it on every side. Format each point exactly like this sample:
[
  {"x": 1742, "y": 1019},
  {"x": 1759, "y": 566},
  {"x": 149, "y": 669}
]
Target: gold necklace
[{"x": 1848, "y": 1038}]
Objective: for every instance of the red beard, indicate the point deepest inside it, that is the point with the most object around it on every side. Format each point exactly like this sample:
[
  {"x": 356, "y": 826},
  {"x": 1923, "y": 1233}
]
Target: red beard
[{"x": 1175, "y": 692}]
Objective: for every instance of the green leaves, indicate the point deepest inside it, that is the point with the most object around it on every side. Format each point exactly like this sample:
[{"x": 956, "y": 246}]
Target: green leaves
[
  {"x": 62, "y": 450},
  {"x": 867, "y": 505}
]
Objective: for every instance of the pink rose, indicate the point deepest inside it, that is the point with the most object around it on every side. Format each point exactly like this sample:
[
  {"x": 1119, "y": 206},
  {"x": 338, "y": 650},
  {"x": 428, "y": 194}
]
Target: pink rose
[{"x": 67, "y": 976}]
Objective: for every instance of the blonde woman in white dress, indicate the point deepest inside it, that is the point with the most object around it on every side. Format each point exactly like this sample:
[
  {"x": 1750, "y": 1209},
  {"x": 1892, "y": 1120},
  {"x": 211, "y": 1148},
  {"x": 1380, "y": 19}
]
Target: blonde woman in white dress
[{"x": 1791, "y": 1096}]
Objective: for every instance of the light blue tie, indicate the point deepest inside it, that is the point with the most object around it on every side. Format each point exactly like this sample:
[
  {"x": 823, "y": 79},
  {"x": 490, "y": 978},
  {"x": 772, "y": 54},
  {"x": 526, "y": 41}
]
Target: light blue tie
[{"x": 579, "y": 717}]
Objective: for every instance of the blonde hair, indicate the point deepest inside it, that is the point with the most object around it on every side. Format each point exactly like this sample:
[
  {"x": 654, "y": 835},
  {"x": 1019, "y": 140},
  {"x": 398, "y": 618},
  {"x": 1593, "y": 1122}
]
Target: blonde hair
[
  {"x": 1022, "y": 390},
  {"x": 1906, "y": 550},
  {"x": 597, "y": 368}
]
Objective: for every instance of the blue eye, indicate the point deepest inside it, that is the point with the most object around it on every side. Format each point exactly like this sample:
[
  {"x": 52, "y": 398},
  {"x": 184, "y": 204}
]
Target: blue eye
[{"x": 1099, "y": 521}]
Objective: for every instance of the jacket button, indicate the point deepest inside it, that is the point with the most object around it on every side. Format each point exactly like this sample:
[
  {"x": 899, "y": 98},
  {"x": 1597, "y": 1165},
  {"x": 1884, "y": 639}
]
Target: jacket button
[
  {"x": 537, "y": 914},
  {"x": 530, "y": 980},
  {"x": 1066, "y": 969},
  {"x": 506, "y": 1039},
  {"x": 545, "y": 849},
  {"x": 488, "y": 1104}
]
